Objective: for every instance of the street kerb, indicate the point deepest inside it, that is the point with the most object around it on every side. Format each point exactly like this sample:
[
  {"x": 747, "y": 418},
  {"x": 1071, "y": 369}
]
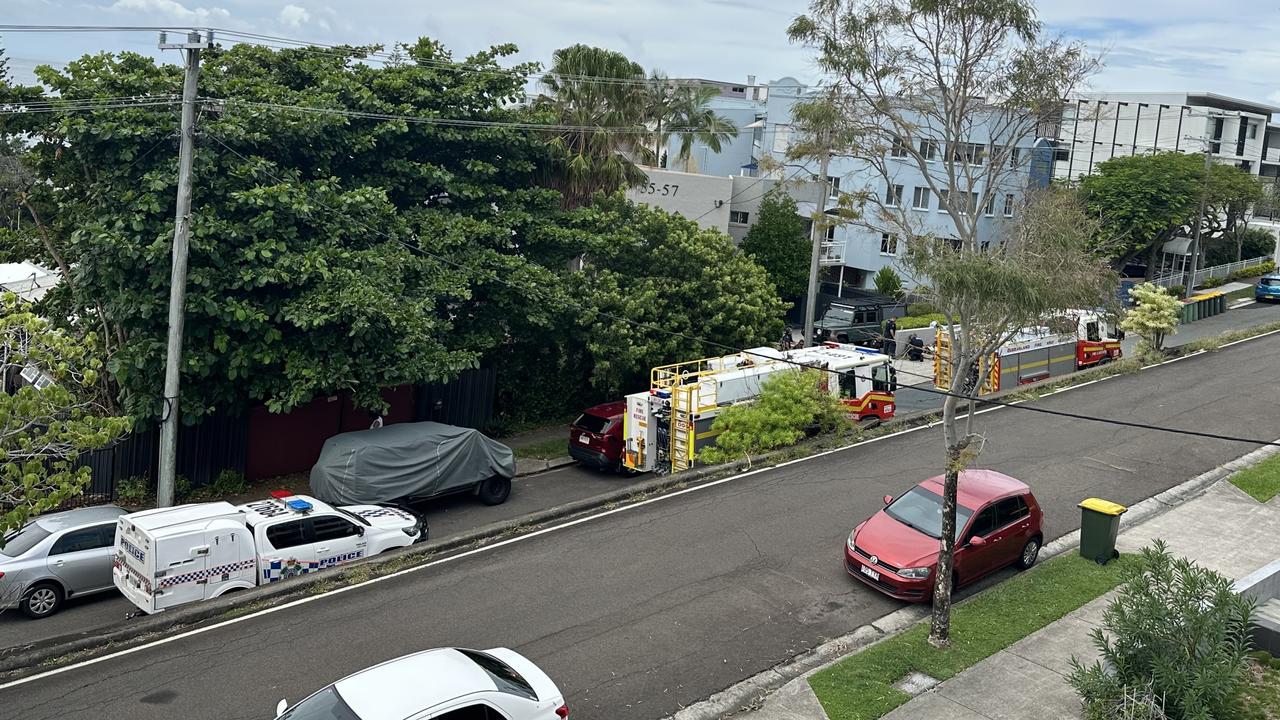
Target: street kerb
[
  {"x": 22, "y": 660},
  {"x": 750, "y": 693}
]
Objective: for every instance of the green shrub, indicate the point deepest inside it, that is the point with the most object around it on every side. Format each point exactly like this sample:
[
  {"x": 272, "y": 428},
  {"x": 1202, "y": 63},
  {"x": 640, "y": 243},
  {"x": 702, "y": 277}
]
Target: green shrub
[
  {"x": 1176, "y": 631},
  {"x": 1177, "y": 290},
  {"x": 181, "y": 489},
  {"x": 229, "y": 482},
  {"x": 888, "y": 282},
  {"x": 134, "y": 490},
  {"x": 1213, "y": 282},
  {"x": 1263, "y": 268},
  {"x": 911, "y": 322},
  {"x": 790, "y": 405},
  {"x": 918, "y": 309}
]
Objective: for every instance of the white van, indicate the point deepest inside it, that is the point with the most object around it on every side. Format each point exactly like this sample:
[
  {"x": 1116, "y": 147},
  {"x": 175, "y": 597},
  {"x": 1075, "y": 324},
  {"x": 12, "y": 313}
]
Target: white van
[{"x": 171, "y": 556}]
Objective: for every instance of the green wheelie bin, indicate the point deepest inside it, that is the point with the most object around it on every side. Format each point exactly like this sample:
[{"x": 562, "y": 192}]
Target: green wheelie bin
[{"x": 1099, "y": 526}]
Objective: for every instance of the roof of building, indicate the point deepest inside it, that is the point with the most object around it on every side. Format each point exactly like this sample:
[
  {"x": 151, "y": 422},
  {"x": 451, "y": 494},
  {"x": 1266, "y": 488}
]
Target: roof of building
[
  {"x": 28, "y": 280},
  {"x": 1208, "y": 99}
]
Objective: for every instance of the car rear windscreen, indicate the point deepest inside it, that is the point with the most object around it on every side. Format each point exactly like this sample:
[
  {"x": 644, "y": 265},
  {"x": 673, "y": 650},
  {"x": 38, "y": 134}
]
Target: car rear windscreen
[
  {"x": 23, "y": 540},
  {"x": 503, "y": 675},
  {"x": 591, "y": 423}
]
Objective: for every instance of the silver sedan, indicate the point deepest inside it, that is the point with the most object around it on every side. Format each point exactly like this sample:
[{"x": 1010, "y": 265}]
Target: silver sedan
[{"x": 58, "y": 556}]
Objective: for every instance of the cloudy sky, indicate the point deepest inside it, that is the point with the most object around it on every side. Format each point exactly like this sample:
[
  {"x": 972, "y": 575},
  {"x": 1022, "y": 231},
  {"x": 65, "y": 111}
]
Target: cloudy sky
[{"x": 1227, "y": 46}]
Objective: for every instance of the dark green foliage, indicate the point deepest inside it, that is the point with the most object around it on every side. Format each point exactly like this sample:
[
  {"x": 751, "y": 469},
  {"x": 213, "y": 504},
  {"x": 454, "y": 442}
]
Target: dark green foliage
[
  {"x": 1177, "y": 630},
  {"x": 779, "y": 243}
]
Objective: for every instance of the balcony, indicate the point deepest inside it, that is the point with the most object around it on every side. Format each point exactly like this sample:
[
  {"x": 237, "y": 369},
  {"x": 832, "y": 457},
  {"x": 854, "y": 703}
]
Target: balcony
[
  {"x": 1272, "y": 156},
  {"x": 831, "y": 253}
]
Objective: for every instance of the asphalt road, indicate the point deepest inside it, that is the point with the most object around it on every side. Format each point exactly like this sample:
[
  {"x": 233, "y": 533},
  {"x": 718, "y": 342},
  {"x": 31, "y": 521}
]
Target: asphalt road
[{"x": 640, "y": 612}]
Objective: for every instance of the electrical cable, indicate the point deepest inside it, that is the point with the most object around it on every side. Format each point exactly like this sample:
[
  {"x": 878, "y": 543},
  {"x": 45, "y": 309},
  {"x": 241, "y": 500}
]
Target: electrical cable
[{"x": 742, "y": 351}]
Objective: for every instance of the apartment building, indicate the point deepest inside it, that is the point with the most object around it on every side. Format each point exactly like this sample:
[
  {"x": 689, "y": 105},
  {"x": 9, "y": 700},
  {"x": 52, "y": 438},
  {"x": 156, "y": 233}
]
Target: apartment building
[{"x": 1099, "y": 126}]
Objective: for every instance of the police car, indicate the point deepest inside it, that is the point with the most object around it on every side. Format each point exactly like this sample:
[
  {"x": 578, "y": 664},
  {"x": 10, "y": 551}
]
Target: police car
[{"x": 172, "y": 556}]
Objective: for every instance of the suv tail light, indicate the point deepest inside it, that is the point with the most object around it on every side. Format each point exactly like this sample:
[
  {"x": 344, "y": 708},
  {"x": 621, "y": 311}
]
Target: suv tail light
[{"x": 562, "y": 711}]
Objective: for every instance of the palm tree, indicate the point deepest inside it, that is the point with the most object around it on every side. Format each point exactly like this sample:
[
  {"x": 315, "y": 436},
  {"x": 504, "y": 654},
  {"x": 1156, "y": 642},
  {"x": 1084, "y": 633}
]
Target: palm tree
[
  {"x": 680, "y": 109},
  {"x": 595, "y": 94}
]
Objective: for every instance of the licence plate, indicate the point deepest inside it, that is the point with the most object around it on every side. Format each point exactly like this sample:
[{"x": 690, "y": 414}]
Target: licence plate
[
  {"x": 584, "y": 439},
  {"x": 870, "y": 573}
]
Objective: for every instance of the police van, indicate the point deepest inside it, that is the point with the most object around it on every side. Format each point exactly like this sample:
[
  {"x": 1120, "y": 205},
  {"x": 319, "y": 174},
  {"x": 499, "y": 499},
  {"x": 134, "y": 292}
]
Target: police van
[{"x": 172, "y": 556}]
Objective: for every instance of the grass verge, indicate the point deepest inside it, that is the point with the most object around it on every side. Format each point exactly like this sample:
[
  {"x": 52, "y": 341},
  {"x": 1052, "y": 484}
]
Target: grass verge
[
  {"x": 1262, "y": 481},
  {"x": 1262, "y": 692},
  {"x": 545, "y": 450},
  {"x": 860, "y": 687}
]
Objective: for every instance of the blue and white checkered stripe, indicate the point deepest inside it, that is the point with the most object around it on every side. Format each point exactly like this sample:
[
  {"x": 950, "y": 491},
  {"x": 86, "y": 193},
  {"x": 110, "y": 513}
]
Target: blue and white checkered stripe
[
  {"x": 213, "y": 572},
  {"x": 281, "y": 569}
]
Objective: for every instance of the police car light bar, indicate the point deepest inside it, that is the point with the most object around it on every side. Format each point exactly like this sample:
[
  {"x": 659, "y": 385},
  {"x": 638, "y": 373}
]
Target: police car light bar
[
  {"x": 298, "y": 505},
  {"x": 281, "y": 494}
]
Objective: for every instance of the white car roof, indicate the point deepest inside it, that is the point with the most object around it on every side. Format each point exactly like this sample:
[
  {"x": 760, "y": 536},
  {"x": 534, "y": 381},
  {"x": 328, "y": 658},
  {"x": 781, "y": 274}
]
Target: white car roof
[
  {"x": 399, "y": 688},
  {"x": 181, "y": 515},
  {"x": 260, "y": 511}
]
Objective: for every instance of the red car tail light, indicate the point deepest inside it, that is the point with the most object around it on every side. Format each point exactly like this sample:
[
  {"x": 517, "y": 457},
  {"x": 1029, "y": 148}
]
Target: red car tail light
[{"x": 562, "y": 711}]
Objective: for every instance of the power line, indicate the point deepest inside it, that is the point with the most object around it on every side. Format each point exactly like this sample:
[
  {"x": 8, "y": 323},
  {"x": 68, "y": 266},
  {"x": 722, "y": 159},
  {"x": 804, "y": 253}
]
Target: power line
[{"x": 735, "y": 350}]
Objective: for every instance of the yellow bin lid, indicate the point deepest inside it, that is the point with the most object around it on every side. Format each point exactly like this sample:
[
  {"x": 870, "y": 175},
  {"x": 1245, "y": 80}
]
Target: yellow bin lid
[{"x": 1106, "y": 507}]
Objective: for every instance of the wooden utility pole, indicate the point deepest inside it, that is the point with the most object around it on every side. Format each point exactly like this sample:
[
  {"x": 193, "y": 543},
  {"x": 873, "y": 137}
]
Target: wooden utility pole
[
  {"x": 818, "y": 233},
  {"x": 178, "y": 272}
]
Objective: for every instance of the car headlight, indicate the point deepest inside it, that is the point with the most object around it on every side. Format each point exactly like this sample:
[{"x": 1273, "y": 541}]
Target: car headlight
[
  {"x": 849, "y": 542},
  {"x": 411, "y": 531},
  {"x": 914, "y": 573}
]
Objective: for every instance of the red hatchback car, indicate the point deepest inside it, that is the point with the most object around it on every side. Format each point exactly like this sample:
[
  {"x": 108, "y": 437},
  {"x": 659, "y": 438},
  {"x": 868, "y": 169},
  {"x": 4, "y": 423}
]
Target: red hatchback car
[
  {"x": 896, "y": 550},
  {"x": 595, "y": 438}
]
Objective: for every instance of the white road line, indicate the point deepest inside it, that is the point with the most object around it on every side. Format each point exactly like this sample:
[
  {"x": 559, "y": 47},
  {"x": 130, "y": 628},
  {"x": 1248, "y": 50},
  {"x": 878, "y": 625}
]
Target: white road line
[{"x": 531, "y": 535}]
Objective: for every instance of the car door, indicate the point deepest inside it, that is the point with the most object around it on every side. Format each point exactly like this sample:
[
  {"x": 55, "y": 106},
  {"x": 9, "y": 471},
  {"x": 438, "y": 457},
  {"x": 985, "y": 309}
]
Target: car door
[
  {"x": 285, "y": 550},
  {"x": 1013, "y": 526},
  {"x": 972, "y": 561},
  {"x": 81, "y": 558},
  {"x": 472, "y": 711},
  {"x": 337, "y": 540}
]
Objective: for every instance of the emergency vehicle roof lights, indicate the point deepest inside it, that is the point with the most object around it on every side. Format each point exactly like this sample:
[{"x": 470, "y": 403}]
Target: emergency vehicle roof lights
[
  {"x": 297, "y": 504},
  {"x": 281, "y": 494}
]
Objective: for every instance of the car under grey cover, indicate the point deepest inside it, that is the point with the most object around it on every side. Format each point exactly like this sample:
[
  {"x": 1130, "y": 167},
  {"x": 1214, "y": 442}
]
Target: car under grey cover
[{"x": 406, "y": 460}]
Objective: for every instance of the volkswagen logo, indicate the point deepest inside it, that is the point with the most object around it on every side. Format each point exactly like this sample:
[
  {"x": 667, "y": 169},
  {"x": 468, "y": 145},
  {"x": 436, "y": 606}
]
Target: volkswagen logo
[{"x": 874, "y": 560}]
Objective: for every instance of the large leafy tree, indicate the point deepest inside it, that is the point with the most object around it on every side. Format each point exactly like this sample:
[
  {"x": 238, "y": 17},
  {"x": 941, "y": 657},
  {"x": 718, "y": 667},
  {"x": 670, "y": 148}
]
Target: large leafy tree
[
  {"x": 968, "y": 80},
  {"x": 677, "y": 283},
  {"x": 44, "y": 427},
  {"x": 680, "y": 109},
  {"x": 339, "y": 243},
  {"x": 779, "y": 243}
]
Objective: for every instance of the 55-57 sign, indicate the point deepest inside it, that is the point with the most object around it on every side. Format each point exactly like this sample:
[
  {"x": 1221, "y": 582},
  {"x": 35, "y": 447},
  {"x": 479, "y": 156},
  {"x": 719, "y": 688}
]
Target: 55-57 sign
[{"x": 667, "y": 189}]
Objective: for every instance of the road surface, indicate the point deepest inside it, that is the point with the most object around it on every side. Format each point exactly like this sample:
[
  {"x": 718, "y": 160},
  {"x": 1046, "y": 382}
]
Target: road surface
[{"x": 654, "y": 607}]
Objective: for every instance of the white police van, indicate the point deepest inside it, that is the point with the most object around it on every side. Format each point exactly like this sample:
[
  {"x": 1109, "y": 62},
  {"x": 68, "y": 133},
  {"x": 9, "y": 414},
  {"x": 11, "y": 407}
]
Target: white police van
[{"x": 171, "y": 556}]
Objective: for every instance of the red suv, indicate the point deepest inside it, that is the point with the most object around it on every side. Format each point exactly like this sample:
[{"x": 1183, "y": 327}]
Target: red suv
[
  {"x": 595, "y": 438},
  {"x": 896, "y": 550}
]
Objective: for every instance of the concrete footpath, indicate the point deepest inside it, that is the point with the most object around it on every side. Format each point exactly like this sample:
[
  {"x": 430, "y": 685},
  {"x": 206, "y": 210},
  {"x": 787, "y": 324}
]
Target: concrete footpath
[{"x": 1027, "y": 680}]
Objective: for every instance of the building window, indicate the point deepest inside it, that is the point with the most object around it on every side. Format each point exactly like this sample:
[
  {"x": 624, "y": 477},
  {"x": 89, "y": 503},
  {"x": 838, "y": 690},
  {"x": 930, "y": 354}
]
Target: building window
[
  {"x": 833, "y": 186},
  {"x": 888, "y": 244},
  {"x": 831, "y": 233},
  {"x": 893, "y": 197},
  {"x": 943, "y": 198},
  {"x": 1008, "y": 205},
  {"x": 920, "y": 198},
  {"x": 781, "y": 138},
  {"x": 969, "y": 203},
  {"x": 971, "y": 153},
  {"x": 990, "y": 208},
  {"x": 929, "y": 150},
  {"x": 899, "y": 149},
  {"x": 1253, "y": 131},
  {"x": 738, "y": 217},
  {"x": 1015, "y": 158}
]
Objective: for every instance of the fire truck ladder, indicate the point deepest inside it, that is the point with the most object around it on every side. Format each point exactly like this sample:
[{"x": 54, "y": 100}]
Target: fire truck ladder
[{"x": 685, "y": 383}]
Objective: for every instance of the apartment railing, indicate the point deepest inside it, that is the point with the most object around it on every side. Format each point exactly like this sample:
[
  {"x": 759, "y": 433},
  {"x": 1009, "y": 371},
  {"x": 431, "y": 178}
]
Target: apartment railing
[
  {"x": 831, "y": 253},
  {"x": 1217, "y": 271}
]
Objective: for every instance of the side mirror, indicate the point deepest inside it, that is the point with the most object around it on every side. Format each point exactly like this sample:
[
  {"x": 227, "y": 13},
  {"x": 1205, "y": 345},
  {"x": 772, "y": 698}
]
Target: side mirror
[
  {"x": 281, "y": 707},
  {"x": 360, "y": 531},
  {"x": 888, "y": 499},
  {"x": 977, "y": 541}
]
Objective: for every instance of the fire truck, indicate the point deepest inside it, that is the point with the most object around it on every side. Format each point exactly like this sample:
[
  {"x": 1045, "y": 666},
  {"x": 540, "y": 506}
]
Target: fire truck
[
  {"x": 1071, "y": 341},
  {"x": 665, "y": 427}
]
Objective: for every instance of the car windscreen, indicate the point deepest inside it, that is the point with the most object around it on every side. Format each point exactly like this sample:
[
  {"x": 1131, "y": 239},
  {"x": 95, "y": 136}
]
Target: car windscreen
[
  {"x": 921, "y": 509},
  {"x": 1270, "y": 282},
  {"x": 591, "y": 423},
  {"x": 503, "y": 675},
  {"x": 23, "y": 540},
  {"x": 324, "y": 705}
]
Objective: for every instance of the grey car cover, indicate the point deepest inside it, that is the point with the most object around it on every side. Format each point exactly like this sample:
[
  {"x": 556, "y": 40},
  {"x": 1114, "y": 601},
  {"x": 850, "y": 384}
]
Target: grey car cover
[{"x": 406, "y": 460}]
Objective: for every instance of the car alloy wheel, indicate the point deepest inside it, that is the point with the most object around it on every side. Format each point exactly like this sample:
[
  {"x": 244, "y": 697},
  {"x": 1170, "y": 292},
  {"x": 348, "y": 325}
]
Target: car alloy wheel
[
  {"x": 41, "y": 601},
  {"x": 1030, "y": 552}
]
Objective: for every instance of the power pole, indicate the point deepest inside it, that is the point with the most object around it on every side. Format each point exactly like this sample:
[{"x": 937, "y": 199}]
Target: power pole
[
  {"x": 1189, "y": 284},
  {"x": 178, "y": 272},
  {"x": 818, "y": 234}
]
